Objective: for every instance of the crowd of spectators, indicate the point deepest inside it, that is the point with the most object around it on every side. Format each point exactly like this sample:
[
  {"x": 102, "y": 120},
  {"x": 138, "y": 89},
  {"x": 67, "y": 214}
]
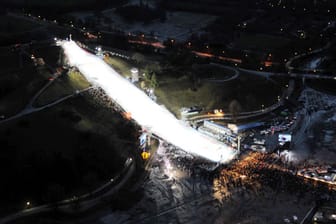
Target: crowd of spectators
[{"x": 258, "y": 173}]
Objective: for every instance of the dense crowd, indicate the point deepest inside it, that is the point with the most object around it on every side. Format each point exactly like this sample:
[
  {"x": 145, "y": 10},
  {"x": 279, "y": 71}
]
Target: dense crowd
[{"x": 260, "y": 172}]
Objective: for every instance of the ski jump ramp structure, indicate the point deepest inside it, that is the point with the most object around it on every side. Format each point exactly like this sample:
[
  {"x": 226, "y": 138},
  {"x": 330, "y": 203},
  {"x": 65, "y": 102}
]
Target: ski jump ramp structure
[{"x": 144, "y": 110}]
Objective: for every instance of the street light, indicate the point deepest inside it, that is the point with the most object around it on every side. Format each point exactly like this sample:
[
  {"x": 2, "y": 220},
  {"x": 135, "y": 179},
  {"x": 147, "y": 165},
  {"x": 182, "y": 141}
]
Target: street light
[{"x": 27, "y": 205}]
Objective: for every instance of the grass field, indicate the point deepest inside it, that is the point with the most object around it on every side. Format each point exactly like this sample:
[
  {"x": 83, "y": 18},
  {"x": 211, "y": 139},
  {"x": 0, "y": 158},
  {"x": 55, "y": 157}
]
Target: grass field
[
  {"x": 65, "y": 85},
  {"x": 77, "y": 81},
  {"x": 122, "y": 66},
  {"x": 60, "y": 152},
  {"x": 16, "y": 100},
  {"x": 17, "y": 87},
  {"x": 247, "y": 89}
]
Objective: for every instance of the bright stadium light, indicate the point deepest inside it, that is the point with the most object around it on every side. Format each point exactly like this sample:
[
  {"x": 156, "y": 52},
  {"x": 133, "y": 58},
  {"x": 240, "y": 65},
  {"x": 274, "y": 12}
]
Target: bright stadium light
[{"x": 145, "y": 111}]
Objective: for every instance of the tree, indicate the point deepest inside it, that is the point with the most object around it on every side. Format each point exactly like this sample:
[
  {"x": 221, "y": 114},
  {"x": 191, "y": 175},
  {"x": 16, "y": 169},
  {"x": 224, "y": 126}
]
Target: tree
[
  {"x": 154, "y": 82},
  {"x": 234, "y": 108}
]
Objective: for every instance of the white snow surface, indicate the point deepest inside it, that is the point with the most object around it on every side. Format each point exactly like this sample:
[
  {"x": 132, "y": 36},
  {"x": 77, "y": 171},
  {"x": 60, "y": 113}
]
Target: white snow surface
[{"x": 145, "y": 111}]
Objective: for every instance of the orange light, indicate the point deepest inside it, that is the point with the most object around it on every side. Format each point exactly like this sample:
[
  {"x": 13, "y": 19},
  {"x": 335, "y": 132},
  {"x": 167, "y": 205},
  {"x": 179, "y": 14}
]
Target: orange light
[
  {"x": 145, "y": 155},
  {"x": 127, "y": 115}
]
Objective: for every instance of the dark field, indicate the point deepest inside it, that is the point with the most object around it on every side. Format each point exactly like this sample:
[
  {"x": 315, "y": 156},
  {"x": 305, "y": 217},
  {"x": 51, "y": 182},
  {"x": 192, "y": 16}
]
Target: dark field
[
  {"x": 61, "y": 152},
  {"x": 17, "y": 84}
]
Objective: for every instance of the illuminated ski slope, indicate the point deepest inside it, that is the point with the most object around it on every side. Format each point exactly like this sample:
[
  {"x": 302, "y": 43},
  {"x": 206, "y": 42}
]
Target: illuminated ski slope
[{"x": 143, "y": 110}]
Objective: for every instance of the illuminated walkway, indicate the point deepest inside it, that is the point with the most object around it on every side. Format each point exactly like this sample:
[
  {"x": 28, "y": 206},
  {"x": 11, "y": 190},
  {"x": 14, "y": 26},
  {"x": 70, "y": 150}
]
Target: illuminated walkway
[{"x": 146, "y": 112}]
